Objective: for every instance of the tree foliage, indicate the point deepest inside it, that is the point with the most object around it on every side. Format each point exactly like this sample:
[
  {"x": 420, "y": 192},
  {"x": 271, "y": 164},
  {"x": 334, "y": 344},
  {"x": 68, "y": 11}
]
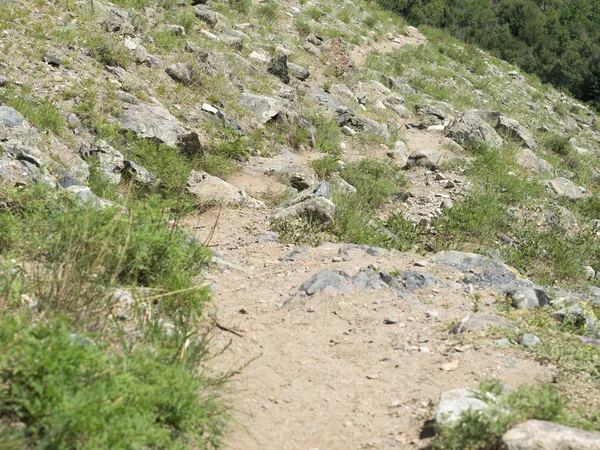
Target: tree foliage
[{"x": 559, "y": 40}]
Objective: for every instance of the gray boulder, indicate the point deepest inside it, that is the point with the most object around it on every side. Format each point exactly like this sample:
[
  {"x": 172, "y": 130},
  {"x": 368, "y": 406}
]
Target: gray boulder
[
  {"x": 529, "y": 160},
  {"x": 470, "y": 129},
  {"x": 319, "y": 209},
  {"x": 342, "y": 185},
  {"x": 454, "y": 403},
  {"x": 213, "y": 189},
  {"x": 563, "y": 187},
  {"x": 180, "y": 72},
  {"x": 428, "y": 158},
  {"x": 299, "y": 72},
  {"x": 300, "y": 177},
  {"x": 479, "y": 322},
  {"x": 206, "y": 15},
  {"x": 154, "y": 121},
  {"x": 10, "y": 117},
  {"x": 399, "y": 153},
  {"x": 528, "y": 298},
  {"x": 539, "y": 434},
  {"x": 267, "y": 109},
  {"x": 513, "y": 129},
  {"x": 321, "y": 189},
  {"x": 395, "y": 102},
  {"x": 530, "y": 340}
]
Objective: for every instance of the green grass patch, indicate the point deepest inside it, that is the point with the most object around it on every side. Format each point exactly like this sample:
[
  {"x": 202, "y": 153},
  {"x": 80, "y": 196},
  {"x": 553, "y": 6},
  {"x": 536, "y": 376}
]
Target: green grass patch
[{"x": 484, "y": 429}]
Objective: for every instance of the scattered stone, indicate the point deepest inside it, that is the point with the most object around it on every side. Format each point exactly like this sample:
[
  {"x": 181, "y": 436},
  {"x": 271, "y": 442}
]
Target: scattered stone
[
  {"x": 267, "y": 236},
  {"x": 479, "y": 322},
  {"x": 530, "y": 340},
  {"x": 3, "y": 81},
  {"x": 153, "y": 62},
  {"x": 589, "y": 272},
  {"x": 342, "y": 185},
  {"x": 447, "y": 204},
  {"x": 539, "y": 434},
  {"x": 191, "y": 47},
  {"x": 52, "y": 60},
  {"x": 322, "y": 189},
  {"x": 399, "y": 153},
  {"x": 391, "y": 320},
  {"x": 175, "y": 30},
  {"x": 259, "y": 56},
  {"x": 266, "y": 109},
  {"x": 414, "y": 280}
]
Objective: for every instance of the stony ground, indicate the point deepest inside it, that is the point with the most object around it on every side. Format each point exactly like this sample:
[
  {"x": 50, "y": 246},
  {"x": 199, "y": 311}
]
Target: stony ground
[
  {"x": 362, "y": 369},
  {"x": 336, "y": 345}
]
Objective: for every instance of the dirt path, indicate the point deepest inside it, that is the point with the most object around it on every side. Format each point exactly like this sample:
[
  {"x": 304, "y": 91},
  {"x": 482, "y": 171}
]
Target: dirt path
[{"x": 326, "y": 371}]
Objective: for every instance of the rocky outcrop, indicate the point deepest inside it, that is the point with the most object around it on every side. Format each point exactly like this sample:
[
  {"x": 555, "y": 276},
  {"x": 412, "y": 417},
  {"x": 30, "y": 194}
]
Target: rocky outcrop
[
  {"x": 154, "y": 121},
  {"x": 471, "y": 129},
  {"x": 511, "y": 128},
  {"x": 267, "y": 109}
]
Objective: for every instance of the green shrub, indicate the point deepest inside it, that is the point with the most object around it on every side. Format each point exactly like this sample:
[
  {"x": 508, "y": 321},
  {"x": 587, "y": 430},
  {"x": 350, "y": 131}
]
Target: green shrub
[
  {"x": 241, "y": 6},
  {"x": 314, "y": 13},
  {"x": 73, "y": 391},
  {"x": 325, "y": 166},
  {"x": 302, "y": 27},
  {"x": 268, "y": 11},
  {"x": 484, "y": 429},
  {"x": 374, "y": 181},
  {"x": 107, "y": 50},
  {"x": 41, "y": 114},
  {"x": 328, "y": 135},
  {"x": 345, "y": 14},
  {"x": 84, "y": 250},
  {"x": 370, "y": 21}
]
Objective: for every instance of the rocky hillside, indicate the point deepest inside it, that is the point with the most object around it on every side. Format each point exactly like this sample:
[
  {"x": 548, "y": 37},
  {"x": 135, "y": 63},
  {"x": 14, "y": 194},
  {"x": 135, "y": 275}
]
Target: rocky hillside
[{"x": 288, "y": 225}]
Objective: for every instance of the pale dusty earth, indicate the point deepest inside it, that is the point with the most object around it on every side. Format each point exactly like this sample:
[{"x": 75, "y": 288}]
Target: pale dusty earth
[{"x": 326, "y": 372}]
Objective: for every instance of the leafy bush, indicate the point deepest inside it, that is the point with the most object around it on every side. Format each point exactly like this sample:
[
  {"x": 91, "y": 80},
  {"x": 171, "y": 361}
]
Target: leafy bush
[
  {"x": 327, "y": 135},
  {"x": 325, "y": 166},
  {"x": 73, "y": 392},
  {"x": 268, "y": 11},
  {"x": 302, "y": 27},
  {"x": 107, "y": 50},
  {"x": 84, "y": 250},
  {"x": 484, "y": 429},
  {"x": 41, "y": 114},
  {"x": 374, "y": 181}
]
